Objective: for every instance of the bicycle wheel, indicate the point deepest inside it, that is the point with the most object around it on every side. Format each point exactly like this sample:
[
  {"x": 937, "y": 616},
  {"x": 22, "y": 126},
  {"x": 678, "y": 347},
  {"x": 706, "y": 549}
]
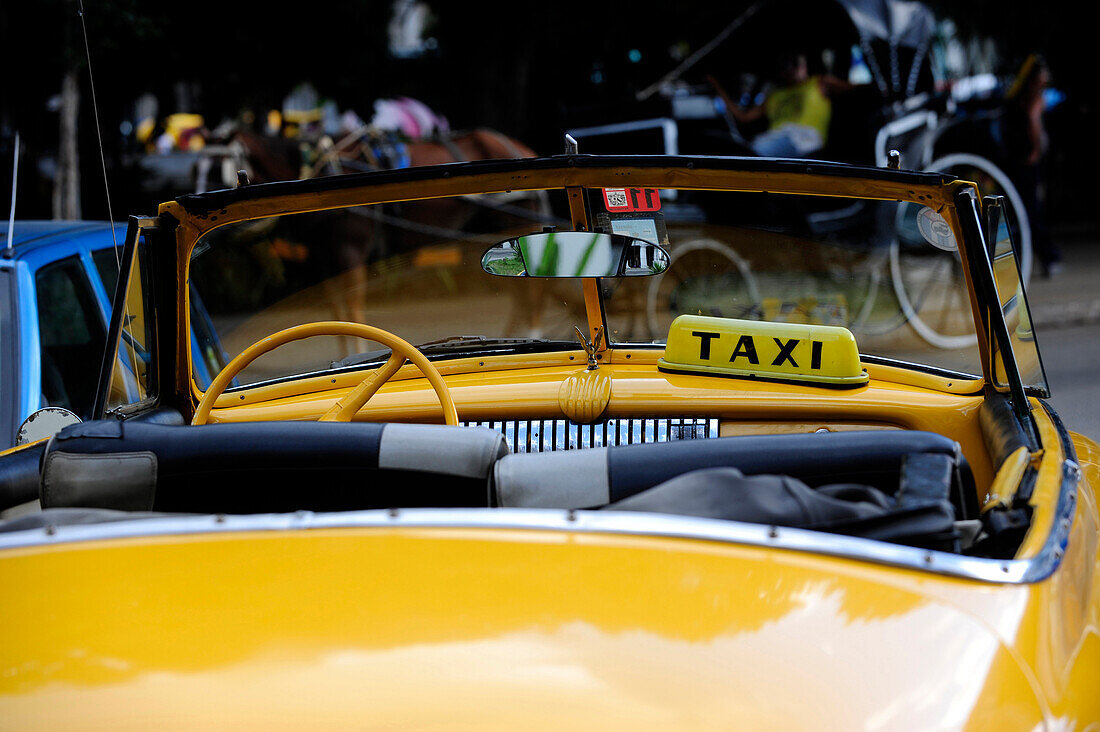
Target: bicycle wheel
[
  {"x": 704, "y": 277},
  {"x": 929, "y": 282}
]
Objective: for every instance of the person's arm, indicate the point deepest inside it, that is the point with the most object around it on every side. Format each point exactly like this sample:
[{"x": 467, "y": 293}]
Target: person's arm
[
  {"x": 831, "y": 85},
  {"x": 741, "y": 116}
]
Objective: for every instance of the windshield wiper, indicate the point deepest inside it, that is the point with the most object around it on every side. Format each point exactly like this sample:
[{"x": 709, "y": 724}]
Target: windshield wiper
[
  {"x": 458, "y": 344},
  {"x": 463, "y": 341}
]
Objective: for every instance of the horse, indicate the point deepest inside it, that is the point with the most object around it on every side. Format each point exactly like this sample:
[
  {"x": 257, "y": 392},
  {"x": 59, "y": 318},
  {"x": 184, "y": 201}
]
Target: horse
[{"x": 356, "y": 236}]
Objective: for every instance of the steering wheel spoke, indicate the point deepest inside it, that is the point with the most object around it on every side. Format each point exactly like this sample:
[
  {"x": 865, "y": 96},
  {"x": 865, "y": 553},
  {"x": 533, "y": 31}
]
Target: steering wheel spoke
[
  {"x": 347, "y": 407},
  {"x": 344, "y": 409}
]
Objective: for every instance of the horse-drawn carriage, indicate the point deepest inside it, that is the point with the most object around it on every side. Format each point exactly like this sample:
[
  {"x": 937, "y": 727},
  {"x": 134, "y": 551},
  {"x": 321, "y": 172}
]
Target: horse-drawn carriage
[{"x": 901, "y": 102}]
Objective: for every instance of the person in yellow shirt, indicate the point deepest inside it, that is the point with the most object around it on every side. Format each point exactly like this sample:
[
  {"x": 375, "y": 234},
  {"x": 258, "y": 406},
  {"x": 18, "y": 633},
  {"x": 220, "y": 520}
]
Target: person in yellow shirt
[{"x": 798, "y": 111}]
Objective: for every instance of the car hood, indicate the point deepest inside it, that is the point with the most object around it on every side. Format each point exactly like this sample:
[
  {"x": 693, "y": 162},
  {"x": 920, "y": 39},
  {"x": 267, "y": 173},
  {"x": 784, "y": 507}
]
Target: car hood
[{"x": 486, "y": 628}]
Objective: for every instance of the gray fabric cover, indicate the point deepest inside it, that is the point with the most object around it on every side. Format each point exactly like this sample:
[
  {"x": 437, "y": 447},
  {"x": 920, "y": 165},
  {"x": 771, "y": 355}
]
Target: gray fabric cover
[
  {"x": 469, "y": 452},
  {"x": 780, "y": 500},
  {"x": 724, "y": 493},
  {"x": 574, "y": 479}
]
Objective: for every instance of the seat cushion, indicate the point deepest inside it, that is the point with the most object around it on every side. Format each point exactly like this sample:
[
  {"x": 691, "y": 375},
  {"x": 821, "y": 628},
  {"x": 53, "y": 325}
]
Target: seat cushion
[{"x": 267, "y": 466}]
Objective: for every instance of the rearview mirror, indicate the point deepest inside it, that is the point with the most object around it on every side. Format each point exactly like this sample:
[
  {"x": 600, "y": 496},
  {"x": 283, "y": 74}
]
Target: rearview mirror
[{"x": 574, "y": 254}]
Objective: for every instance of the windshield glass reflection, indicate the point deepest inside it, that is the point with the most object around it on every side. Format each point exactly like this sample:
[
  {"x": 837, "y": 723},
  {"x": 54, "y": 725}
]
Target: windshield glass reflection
[
  {"x": 862, "y": 264},
  {"x": 412, "y": 268},
  {"x": 1017, "y": 312},
  {"x": 415, "y": 268}
]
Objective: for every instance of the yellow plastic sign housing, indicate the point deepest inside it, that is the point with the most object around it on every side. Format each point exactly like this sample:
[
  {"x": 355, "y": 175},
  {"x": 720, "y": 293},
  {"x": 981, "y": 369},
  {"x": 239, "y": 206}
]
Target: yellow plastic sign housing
[{"x": 750, "y": 349}]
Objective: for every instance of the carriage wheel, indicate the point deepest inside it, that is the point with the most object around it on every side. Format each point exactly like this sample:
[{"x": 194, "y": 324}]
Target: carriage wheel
[
  {"x": 992, "y": 180},
  {"x": 932, "y": 294},
  {"x": 929, "y": 282},
  {"x": 874, "y": 307},
  {"x": 701, "y": 281}
]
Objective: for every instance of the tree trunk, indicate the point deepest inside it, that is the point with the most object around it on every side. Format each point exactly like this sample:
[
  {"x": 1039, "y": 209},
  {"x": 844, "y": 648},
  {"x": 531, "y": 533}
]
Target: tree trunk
[{"x": 66, "y": 188}]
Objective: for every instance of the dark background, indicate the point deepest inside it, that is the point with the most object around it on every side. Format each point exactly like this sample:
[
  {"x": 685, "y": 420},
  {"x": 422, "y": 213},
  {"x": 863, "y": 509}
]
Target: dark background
[{"x": 528, "y": 69}]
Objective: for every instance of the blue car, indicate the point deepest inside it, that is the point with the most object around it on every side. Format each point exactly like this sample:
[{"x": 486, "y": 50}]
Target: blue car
[{"x": 56, "y": 285}]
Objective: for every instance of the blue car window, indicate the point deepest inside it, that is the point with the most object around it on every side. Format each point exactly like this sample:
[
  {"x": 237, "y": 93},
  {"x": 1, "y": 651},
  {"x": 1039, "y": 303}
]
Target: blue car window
[
  {"x": 106, "y": 263},
  {"x": 71, "y": 336},
  {"x": 9, "y": 364}
]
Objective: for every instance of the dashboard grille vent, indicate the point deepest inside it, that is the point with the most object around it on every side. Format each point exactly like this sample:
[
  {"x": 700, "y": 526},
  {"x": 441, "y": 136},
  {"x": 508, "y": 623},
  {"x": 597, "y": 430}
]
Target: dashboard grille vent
[{"x": 546, "y": 435}]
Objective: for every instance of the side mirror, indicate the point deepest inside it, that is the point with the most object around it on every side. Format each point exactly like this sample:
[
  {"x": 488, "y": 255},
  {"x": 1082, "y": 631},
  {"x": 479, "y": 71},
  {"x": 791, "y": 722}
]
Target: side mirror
[{"x": 574, "y": 254}]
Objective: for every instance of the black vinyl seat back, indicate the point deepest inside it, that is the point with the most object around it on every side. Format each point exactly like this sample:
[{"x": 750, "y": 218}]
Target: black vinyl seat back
[
  {"x": 598, "y": 476},
  {"x": 261, "y": 467}
]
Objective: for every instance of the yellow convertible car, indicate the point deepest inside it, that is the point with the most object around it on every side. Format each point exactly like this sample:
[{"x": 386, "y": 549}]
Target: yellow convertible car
[{"x": 574, "y": 442}]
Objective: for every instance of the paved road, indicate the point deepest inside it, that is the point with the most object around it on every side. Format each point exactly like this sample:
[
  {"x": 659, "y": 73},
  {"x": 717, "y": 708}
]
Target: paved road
[
  {"x": 1066, "y": 312},
  {"x": 1071, "y": 357}
]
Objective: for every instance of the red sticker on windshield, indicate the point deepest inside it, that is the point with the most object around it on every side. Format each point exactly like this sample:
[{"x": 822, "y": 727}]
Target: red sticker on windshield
[{"x": 620, "y": 200}]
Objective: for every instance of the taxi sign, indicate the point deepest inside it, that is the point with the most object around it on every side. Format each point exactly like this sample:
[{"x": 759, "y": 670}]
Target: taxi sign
[{"x": 752, "y": 349}]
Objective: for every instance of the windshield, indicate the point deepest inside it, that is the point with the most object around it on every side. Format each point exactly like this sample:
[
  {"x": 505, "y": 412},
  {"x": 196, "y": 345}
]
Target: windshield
[
  {"x": 412, "y": 268},
  {"x": 888, "y": 271},
  {"x": 878, "y": 268}
]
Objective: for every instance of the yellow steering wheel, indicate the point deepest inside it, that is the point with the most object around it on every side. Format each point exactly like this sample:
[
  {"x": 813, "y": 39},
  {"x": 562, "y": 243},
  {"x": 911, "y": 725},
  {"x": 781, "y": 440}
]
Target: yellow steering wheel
[{"x": 345, "y": 408}]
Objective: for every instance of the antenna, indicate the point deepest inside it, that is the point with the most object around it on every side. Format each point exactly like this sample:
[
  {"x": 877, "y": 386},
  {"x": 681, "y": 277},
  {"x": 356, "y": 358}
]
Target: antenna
[
  {"x": 107, "y": 188},
  {"x": 10, "y": 251},
  {"x": 99, "y": 134}
]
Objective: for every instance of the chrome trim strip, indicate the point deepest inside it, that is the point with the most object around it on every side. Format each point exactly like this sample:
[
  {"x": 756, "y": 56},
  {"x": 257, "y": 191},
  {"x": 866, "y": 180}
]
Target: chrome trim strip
[
  {"x": 544, "y": 435},
  {"x": 600, "y": 522}
]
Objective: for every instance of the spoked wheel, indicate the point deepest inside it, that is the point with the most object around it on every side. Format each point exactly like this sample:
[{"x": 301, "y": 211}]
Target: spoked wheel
[
  {"x": 705, "y": 277},
  {"x": 873, "y": 305},
  {"x": 992, "y": 180},
  {"x": 929, "y": 282},
  {"x": 932, "y": 294}
]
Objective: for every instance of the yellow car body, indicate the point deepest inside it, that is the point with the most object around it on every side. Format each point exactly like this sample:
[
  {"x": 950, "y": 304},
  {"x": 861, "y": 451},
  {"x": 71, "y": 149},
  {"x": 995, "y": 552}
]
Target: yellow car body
[{"x": 496, "y": 617}]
